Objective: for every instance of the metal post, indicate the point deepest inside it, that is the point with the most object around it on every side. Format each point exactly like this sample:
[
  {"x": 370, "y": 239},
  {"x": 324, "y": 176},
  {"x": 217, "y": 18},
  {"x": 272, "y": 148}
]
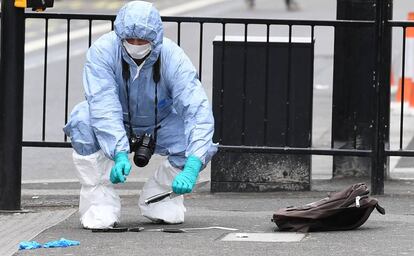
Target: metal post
[
  {"x": 380, "y": 83},
  {"x": 353, "y": 94},
  {"x": 11, "y": 104}
]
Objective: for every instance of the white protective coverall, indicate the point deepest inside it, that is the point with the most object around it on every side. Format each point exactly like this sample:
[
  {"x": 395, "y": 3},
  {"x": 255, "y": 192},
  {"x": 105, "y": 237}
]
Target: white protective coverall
[{"x": 99, "y": 127}]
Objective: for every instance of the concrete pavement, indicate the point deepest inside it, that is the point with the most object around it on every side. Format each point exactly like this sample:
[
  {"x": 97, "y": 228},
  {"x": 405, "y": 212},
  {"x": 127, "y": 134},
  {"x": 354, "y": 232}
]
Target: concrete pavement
[{"x": 390, "y": 234}]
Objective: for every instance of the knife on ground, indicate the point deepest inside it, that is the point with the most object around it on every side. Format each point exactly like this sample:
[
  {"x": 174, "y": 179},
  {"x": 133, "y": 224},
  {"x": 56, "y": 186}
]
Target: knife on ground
[{"x": 171, "y": 194}]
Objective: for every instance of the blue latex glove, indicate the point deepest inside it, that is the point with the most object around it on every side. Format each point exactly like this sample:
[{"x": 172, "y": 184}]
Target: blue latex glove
[
  {"x": 184, "y": 181},
  {"x": 121, "y": 168},
  {"x": 28, "y": 245},
  {"x": 61, "y": 243}
]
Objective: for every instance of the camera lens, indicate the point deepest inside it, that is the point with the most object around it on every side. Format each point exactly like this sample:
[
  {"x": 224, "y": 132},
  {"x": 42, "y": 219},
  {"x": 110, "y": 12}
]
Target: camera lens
[
  {"x": 143, "y": 147},
  {"x": 140, "y": 160},
  {"x": 142, "y": 156}
]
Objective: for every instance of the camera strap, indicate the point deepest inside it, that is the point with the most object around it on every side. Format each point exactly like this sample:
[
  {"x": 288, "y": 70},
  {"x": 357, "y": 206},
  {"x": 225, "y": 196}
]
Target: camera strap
[{"x": 156, "y": 75}]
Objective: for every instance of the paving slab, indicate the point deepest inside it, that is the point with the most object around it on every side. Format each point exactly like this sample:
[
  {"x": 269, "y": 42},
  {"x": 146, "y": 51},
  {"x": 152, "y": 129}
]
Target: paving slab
[{"x": 19, "y": 227}]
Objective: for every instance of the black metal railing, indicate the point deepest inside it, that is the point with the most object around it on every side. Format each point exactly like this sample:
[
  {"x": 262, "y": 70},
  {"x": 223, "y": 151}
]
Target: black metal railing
[
  {"x": 68, "y": 18},
  {"x": 378, "y": 153},
  {"x": 201, "y": 21},
  {"x": 404, "y": 25}
]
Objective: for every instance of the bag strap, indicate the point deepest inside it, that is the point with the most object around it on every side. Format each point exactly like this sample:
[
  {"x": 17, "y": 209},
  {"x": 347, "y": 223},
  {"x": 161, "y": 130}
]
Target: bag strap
[
  {"x": 380, "y": 209},
  {"x": 156, "y": 73}
]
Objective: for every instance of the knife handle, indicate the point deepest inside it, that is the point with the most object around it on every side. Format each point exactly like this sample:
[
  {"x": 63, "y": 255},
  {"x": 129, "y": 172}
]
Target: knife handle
[
  {"x": 158, "y": 197},
  {"x": 173, "y": 230}
]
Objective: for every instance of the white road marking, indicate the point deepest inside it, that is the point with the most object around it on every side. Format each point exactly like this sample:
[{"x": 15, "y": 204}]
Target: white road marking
[
  {"x": 54, "y": 58},
  {"x": 84, "y": 32},
  {"x": 264, "y": 237},
  {"x": 61, "y": 38},
  {"x": 188, "y": 7}
]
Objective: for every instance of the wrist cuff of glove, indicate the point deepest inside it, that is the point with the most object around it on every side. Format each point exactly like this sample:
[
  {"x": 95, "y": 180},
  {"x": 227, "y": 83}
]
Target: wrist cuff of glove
[
  {"x": 121, "y": 155},
  {"x": 194, "y": 162}
]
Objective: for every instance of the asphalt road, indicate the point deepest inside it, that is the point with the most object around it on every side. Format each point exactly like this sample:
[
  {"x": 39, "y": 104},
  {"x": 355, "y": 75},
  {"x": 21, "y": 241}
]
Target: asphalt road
[{"x": 41, "y": 164}]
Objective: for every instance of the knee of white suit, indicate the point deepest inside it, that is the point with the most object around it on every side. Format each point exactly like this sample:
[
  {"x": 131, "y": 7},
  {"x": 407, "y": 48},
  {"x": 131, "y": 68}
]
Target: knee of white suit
[
  {"x": 168, "y": 210},
  {"x": 99, "y": 204},
  {"x": 80, "y": 132}
]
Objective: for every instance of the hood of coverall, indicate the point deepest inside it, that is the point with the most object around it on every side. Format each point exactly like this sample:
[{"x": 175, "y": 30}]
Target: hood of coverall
[{"x": 139, "y": 19}]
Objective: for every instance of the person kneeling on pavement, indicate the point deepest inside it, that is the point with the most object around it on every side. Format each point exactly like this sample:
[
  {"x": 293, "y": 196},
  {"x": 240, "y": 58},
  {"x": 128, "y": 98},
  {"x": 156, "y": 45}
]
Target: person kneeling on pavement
[{"x": 143, "y": 95}]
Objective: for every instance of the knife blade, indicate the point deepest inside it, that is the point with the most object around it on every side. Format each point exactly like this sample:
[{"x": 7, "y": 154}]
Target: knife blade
[{"x": 171, "y": 194}]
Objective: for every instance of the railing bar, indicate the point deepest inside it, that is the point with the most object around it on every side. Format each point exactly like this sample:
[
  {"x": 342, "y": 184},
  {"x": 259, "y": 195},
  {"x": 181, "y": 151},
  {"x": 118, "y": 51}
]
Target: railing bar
[
  {"x": 287, "y": 128},
  {"x": 222, "y": 82},
  {"x": 402, "y": 88},
  {"x": 296, "y": 22},
  {"x": 266, "y": 91},
  {"x": 67, "y": 74},
  {"x": 90, "y": 33},
  {"x": 278, "y": 150},
  {"x": 400, "y": 23},
  {"x": 408, "y": 153},
  {"x": 200, "y": 63},
  {"x": 46, "y": 144},
  {"x": 244, "y": 89},
  {"x": 179, "y": 33},
  {"x": 45, "y": 81},
  {"x": 294, "y": 150},
  {"x": 312, "y": 59}
]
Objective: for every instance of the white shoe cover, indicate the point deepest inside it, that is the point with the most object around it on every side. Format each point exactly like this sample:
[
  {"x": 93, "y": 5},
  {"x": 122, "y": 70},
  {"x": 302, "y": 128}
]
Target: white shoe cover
[
  {"x": 168, "y": 210},
  {"x": 99, "y": 204}
]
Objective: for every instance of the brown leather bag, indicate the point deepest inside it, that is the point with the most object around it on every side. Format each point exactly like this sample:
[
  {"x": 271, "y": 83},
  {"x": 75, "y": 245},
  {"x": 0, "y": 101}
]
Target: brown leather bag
[{"x": 344, "y": 210}]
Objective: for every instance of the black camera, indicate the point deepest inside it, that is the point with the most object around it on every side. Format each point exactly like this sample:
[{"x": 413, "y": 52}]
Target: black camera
[{"x": 143, "y": 147}]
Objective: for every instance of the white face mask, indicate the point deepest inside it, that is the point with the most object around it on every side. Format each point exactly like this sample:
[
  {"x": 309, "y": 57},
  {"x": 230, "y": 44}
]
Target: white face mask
[{"x": 137, "y": 51}]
